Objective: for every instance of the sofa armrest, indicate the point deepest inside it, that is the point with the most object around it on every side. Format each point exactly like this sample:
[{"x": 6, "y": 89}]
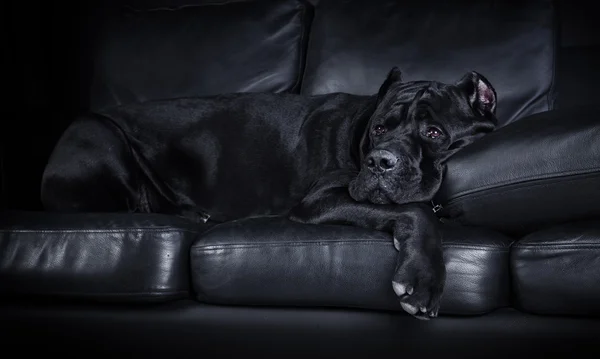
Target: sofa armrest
[
  {"x": 543, "y": 169},
  {"x": 116, "y": 257}
]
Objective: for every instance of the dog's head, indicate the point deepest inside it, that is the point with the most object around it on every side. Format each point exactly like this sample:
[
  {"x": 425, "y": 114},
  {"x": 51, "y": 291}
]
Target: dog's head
[{"x": 415, "y": 127}]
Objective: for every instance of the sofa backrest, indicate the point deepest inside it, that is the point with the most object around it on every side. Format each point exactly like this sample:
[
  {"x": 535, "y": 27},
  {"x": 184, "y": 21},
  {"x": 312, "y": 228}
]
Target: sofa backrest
[
  {"x": 149, "y": 52},
  {"x": 202, "y": 49},
  {"x": 513, "y": 44},
  {"x": 350, "y": 46}
]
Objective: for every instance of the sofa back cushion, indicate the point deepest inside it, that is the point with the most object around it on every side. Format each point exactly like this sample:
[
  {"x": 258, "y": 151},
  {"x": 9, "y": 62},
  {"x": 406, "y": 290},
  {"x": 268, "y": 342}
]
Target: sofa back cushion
[
  {"x": 531, "y": 174},
  {"x": 355, "y": 43},
  {"x": 167, "y": 52}
]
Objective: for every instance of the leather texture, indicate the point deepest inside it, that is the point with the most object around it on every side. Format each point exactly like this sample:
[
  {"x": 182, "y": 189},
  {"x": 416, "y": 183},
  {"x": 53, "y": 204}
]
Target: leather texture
[
  {"x": 353, "y": 45},
  {"x": 557, "y": 270},
  {"x": 539, "y": 171},
  {"x": 273, "y": 261},
  {"x": 174, "y": 330},
  {"x": 113, "y": 257},
  {"x": 186, "y": 51}
]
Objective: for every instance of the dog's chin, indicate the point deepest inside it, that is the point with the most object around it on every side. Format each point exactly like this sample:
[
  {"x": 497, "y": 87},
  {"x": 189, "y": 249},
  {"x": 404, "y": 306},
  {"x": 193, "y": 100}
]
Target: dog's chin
[
  {"x": 372, "y": 189},
  {"x": 377, "y": 191},
  {"x": 378, "y": 197}
]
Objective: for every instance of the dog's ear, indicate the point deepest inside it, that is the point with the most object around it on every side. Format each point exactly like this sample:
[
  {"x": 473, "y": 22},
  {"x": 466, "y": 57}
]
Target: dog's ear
[
  {"x": 480, "y": 92},
  {"x": 395, "y": 75}
]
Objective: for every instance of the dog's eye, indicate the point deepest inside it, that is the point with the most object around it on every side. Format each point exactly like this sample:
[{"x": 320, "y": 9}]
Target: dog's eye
[
  {"x": 434, "y": 132},
  {"x": 379, "y": 130}
]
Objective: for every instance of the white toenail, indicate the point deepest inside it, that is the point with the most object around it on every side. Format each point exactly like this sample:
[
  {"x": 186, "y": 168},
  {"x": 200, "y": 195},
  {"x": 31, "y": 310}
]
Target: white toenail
[
  {"x": 399, "y": 289},
  {"x": 396, "y": 244},
  {"x": 409, "y": 308}
]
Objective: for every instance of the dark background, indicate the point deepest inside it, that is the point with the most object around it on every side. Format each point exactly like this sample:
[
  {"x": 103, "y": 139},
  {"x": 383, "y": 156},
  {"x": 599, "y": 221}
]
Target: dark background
[{"x": 46, "y": 73}]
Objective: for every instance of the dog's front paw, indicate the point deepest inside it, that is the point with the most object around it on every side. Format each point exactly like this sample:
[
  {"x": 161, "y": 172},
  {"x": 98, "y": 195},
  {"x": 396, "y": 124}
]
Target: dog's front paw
[{"x": 419, "y": 283}]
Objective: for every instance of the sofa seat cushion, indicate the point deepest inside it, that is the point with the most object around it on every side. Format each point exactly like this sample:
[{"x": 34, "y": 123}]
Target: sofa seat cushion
[
  {"x": 274, "y": 261},
  {"x": 120, "y": 257},
  {"x": 354, "y": 45},
  {"x": 539, "y": 171},
  {"x": 557, "y": 270},
  {"x": 162, "y": 52}
]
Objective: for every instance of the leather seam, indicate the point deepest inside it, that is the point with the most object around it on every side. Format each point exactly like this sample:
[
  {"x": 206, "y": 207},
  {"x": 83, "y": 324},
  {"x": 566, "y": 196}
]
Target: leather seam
[
  {"x": 297, "y": 244},
  {"x": 526, "y": 180},
  {"x": 488, "y": 248},
  {"x": 132, "y": 230},
  {"x": 560, "y": 246},
  {"x": 115, "y": 294},
  {"x": 551, "y": 92},
  {"x": 302, "y": 52},
  {"x": 302, "y": 78},
  {"x": 208, "y": 248}
]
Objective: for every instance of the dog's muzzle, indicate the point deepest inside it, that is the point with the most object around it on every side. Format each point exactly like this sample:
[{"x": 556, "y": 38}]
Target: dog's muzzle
[{"x": 381, "y": 161}]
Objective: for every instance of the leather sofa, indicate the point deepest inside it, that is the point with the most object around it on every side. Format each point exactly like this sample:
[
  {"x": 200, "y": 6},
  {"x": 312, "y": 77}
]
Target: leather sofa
[{"x": 520, "y": 207}]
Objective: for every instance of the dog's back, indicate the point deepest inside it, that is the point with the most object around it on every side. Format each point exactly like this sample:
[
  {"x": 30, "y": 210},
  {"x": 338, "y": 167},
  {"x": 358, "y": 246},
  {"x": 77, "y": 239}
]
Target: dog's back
[{"x": 226, "y": 156}]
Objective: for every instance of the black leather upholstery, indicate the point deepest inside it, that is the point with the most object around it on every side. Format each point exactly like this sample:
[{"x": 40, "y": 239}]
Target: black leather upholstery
[
  {"x": 273, "y": 261},
  {"x": 539, "y": 171},
  {"x": 49, "y": 263},
  {"x": 354, "y": 45},
  {"x": 242, "y": 46},
  {"x": 95, "y": 256},
  {"x": 557, "y": 270}
]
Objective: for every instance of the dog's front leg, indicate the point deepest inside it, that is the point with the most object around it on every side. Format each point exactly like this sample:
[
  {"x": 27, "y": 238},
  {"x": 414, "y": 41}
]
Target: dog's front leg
[{"x": 420, "y": 271}]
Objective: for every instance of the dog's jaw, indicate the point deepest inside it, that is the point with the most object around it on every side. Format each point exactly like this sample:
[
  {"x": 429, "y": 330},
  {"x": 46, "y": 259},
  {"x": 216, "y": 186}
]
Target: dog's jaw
[{"x": 366, "y": 187}]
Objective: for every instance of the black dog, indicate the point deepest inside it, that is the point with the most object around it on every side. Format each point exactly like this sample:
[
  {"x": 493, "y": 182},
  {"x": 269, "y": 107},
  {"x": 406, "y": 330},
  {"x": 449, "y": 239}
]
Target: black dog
[{"x": 371, "y": 161}]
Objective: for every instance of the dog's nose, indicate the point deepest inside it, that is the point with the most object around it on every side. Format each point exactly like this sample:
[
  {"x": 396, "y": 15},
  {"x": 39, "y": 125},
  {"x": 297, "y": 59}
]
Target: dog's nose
[{"x": 381, "y": 161}]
